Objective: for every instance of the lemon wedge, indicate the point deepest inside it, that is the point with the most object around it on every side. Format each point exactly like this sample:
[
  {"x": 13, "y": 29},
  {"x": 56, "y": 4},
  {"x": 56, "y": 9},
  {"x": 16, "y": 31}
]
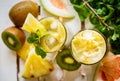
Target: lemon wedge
[
  {"x": 32, "y": 25},
  {"x": 36, "y": 67},
  {"x": 24, "y": 51}
]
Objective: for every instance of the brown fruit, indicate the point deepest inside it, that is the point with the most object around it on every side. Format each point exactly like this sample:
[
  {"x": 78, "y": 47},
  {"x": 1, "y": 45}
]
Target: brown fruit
[{"x": 20, "y": 10}]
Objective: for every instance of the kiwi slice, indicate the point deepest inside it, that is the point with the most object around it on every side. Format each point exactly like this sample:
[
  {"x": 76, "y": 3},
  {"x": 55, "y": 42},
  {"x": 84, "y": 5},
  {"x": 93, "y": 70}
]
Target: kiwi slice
[
  {"x": 13, "y": 38},
  {"x": 66, "y": 61}
]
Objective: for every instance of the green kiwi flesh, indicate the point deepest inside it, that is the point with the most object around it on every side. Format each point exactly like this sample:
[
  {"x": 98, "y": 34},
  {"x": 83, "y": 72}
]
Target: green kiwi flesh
[
  {"x": 13, "y": 38},
  {"x": 66, "y": 61},
  {"x": 11, "y": 41}
]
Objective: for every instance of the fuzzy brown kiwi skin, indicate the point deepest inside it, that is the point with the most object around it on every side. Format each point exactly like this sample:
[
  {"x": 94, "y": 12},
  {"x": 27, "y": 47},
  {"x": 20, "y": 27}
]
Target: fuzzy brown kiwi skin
[
  {"x": 19, "y": 12},
  {"x": 18, "y": 33}
]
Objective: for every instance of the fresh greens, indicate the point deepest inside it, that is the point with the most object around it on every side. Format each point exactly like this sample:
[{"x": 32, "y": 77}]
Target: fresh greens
[
  {"x": 83, "y": 11},
  {"x": 104, "y": 15},
  {"x": 40, "y": 51},
  {"x": 35, "y": 39}
]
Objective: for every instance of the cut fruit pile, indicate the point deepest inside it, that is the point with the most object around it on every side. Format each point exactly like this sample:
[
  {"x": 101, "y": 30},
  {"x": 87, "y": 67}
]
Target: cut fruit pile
[
  {"x": 56, "y": 32},
  {"x": 35, "y": 65},
  {"x": 88, "y": 47},
  {"x": 49, "y": 35}
]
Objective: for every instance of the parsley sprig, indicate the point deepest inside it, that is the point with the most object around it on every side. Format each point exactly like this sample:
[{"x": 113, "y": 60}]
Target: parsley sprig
[
  {"x": 34, "y": 38},
  {"x": 104, "y": 15}
]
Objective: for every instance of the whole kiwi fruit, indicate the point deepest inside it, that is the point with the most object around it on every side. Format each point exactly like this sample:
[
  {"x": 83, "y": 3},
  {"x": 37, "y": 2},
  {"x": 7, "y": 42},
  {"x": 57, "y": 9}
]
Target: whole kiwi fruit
[{"x": 19, "y": 11}]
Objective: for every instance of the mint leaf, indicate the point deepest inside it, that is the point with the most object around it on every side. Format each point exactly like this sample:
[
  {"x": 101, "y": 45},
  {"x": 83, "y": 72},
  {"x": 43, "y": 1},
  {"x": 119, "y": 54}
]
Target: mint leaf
[
  {"x": 40, "y": 51},
  {"x": 41, "y": 36},
  {"x": 38, "y": 33},
  {"x": 33, "y": 38},
  {"x": 115, "y": 36},
  {"x": 82, "y": 10}
]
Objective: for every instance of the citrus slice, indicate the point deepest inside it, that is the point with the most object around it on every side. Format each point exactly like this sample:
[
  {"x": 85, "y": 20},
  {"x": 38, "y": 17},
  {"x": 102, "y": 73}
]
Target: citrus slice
[
  {"x": 36, "y": 67},
  {"x": 57, "y": 34},
  {"x": 32, "y": 25},
  {"x": 88, "y": 47},
  {"x": 25, "y": 50},
  {"x": 57, "y": 8}
]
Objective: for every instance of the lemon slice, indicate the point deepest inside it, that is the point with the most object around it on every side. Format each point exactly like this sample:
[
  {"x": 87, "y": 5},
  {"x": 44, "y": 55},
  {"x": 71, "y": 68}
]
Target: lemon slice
[
  {"x": 36, "y": 67},
  {"x": 57, "y": 34},
  {"x": 25, "y": 50},
  {"x": 32, "y": 25},
  {"x": 88, "y": 47}
]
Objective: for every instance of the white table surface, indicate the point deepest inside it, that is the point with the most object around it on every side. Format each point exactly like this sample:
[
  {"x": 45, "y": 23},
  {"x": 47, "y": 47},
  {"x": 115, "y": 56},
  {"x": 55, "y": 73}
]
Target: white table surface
[{"x": 8, "y": 65}]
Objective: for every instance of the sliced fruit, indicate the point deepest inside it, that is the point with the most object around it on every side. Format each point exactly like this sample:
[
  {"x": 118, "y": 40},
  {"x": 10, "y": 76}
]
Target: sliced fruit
[
  {"x": 36, "y": 67},
  {"x": 57, "y": 8},
  {"x": 57, "y": 34},
  {"x": 25, "y": 50},
  {"x": 88, "y": 47},
  {"x": 13, "y": 38},
  {"x": 66, "y": 61},
  {"x": 32, "y": 25},
  {"x": 109, "y": 69},
  {"x": 19, "y": 11}
]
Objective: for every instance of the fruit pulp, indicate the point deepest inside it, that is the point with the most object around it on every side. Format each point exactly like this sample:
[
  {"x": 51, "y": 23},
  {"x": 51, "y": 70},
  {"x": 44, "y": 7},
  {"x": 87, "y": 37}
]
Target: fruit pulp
[{"x": 88, "y": 47}]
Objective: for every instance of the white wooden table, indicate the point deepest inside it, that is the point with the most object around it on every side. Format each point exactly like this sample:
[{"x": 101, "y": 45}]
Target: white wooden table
[{"x": 10, "y": 70}]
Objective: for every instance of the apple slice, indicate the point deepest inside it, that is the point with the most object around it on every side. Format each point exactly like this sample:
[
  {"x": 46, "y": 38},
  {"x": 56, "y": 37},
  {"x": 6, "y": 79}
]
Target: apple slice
[{"x": 57, "y": 8}]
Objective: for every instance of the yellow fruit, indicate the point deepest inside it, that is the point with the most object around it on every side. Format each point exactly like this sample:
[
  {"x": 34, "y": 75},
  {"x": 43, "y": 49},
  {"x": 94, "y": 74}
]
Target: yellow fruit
[
  {"x": 36, "y": 67},
  {"x": 25, "y": 50},
  {"x": 32, "y": 25},
  {"x": 88, "y": 47},
  {"x": 57, "y": 34}
]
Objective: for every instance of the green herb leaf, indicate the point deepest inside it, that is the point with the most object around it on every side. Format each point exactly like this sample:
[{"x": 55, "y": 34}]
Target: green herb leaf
[
  {"x": 40, "y": 51},
  {"x": 33, "y": 38},
  {"x": 115, "y": 36},
  {"x": 82, "y": 10},
  {"x": 38, "y": 33},
  {"x": 76, "y": 2}
]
